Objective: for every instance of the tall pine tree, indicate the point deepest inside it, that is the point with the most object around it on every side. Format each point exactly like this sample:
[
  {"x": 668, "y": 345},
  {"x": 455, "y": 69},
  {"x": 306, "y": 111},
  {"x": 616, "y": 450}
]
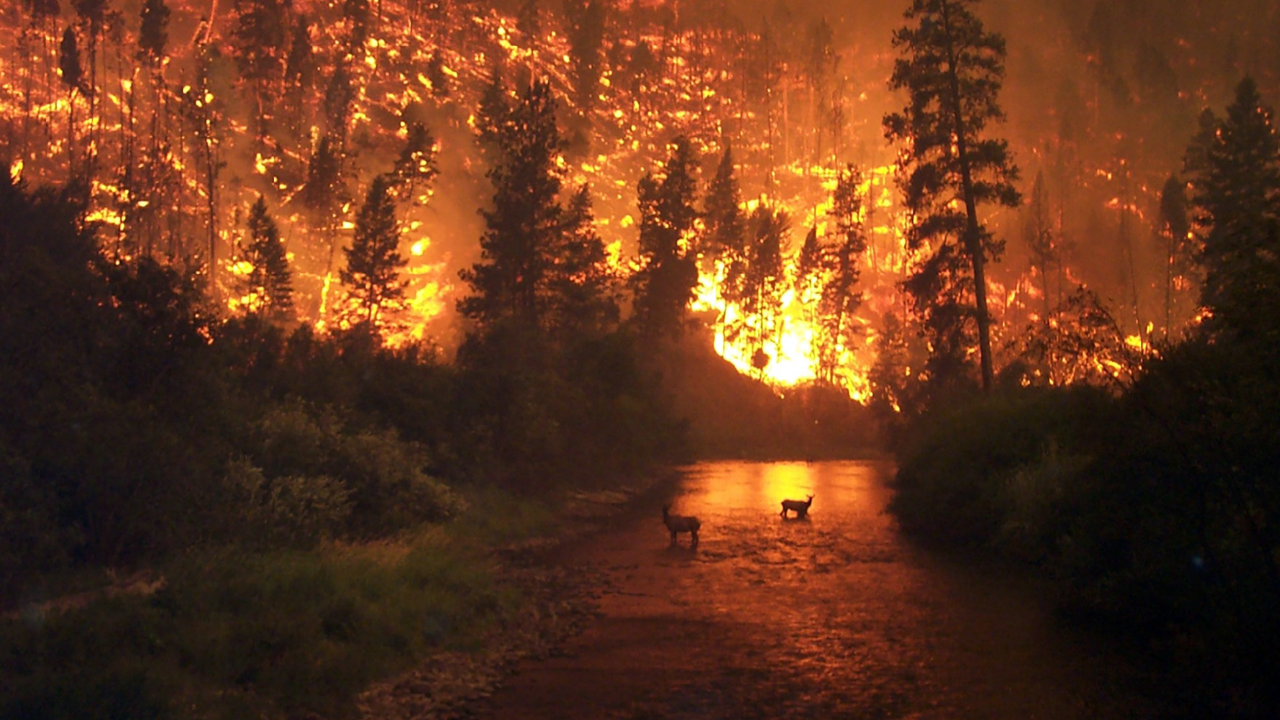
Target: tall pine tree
[
  {"x": 260, "y": 38},
  {"x": 665, "y": 284},
  {"x": 1174, "y": 229},
  {"x": 952, "y": 70},
  {"x": 723, "y": 243},
  {"x": 586, "y": 39},
  {"x": 764, "y": 282},
  {"x": 416, "y": 166},
  {"x": 374, "y": 262},
  {"x": 73, "y": 77},
  {"x": 1037, "y": 231},
  {"x": 269, "y": 280},
  {"x": 523, "y": 226},
  {"x": 583, "y": 287},
  {"x": 840, "y": 299},
  {"x": 1235, "y": 179}
]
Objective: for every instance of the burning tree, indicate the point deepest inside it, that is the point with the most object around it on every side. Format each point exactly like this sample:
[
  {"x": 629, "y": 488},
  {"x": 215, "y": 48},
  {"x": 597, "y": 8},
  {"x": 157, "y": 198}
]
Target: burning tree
[
  {"x": 1235, "y": 176},
  {"x": 269, "y": 282},
  {"x": 723, "y": 243},
  {"x": 763, "y": 283},
  {"x": 838, "y": 299},
  {"x": 1174, "y": 229},
  {"x": 374, "y": 262},
  {"x": 525, "y": 224},
  {"x": 668, "y": 275},
  {"x": 953, "y": 70}
]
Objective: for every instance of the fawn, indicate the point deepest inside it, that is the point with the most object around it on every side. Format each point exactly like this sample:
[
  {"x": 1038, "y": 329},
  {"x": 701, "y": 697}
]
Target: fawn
[
  {"x": 681, "y": 523},
  {"x": 800, "y": 506}
]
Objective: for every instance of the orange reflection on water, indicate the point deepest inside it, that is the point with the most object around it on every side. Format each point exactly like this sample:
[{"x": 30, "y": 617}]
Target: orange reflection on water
[{"x": 758, "y": 485}]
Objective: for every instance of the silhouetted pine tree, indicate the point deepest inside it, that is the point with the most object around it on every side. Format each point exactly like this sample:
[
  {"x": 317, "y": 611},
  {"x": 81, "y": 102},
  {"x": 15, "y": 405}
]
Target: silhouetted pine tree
[
  {"x": 722, "y": 248},
  {"x": 764, "y": 281},
  {"x": 338, "y": 96},
  {"x": 583, "y": 288},
  {"x": 523, "y": 226},
  {"x": 723, "y": 236},
  {"x": 374, "y": 262},
  {"x": 153, "y": 32},
  {"x": 324, "y": 193},
  {"x": 840, "y": 299},
  {"x": 355, "y": 13},
  {"x": 1235, "y": 177},
  {"x": 93, "y": 16},
  {"x": 586, "y": 40},
  {"x": 270, "y": 278},
  {"x": 952, "y": 69},
  {"x": 810, "y": 267},
  {"x": 299, "y": 73},
  {"x": 260, "y": 36},
  {"x": 1037, "y": 231},
  {"x": 1174, "y": 229},
  {"x": 416, "y": 165},
  {"x": 153, "y": 39},
  {"x": 665, "y": 284},
  {"x": 73, "y": 78}
]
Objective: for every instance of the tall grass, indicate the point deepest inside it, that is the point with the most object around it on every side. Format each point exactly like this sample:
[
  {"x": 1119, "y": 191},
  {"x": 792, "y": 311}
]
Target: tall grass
[{"x": 272, "y": 634}]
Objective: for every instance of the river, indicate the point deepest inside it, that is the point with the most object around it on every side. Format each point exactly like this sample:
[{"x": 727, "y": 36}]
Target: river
[{"x": 833, "y": 616}]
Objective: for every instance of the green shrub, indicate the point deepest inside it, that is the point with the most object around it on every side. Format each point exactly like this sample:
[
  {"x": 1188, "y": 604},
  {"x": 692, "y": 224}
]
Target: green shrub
[
  {"x": 315, "y": 466},
  {"x": 1036, "y": 500},
  {"x": 291, "y": 511},
  {"x": 957, "y": 477},
  {"x": 390, "y": 490}
]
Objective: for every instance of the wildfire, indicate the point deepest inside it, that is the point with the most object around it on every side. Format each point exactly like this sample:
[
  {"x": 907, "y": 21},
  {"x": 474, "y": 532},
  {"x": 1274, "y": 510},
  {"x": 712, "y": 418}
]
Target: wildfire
[{"x": 206, "y": 163}]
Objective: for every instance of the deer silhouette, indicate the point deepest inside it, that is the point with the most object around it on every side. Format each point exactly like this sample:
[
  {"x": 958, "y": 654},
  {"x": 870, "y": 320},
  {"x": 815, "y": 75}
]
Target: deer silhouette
[
  {"x": 801, "y": 507},
  {"x": 681, "y": 523}
]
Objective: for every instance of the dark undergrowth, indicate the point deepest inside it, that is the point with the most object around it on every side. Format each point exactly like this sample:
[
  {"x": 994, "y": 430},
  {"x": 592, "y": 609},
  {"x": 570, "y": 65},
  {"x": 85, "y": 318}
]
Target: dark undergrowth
[
  {"x": 1155, "y": 510},
  {"x": 283, "y": 633}
]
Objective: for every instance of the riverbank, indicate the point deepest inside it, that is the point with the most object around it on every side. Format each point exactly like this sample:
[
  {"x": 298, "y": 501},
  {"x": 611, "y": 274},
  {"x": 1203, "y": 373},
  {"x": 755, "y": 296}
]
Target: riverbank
[
  {"x": 420, "y": 627},
  {"x": 557, "y": 603}
]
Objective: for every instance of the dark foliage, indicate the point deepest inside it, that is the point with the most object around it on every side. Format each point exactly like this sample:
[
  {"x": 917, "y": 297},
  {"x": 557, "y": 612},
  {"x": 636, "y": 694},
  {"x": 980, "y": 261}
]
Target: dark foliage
[
  {"x": 666, "y": 282},
  {"x": 374, "y": 262},
  {"x": 953, "y": 70}
]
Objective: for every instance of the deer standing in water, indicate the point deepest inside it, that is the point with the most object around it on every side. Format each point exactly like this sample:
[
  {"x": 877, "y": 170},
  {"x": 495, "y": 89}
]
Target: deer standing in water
[
  {"x": 801, "y": 507},
  {"x": 681, "y": 523}
]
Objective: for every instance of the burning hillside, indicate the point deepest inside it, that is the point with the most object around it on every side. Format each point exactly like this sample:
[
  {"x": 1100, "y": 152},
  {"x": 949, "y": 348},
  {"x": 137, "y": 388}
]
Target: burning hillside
[{"x": 179, "y": 114}]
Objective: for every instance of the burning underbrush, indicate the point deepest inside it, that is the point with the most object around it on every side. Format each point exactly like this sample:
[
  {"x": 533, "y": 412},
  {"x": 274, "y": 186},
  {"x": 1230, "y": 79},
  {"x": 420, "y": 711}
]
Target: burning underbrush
[{"x": 178, "y": 121}]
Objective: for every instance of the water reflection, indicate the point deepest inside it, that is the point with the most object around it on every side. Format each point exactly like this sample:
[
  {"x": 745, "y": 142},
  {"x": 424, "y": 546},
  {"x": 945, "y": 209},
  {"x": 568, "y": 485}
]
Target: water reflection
[
  {"x": 834, "y": 616},
  {"x": 846, "y": 614}
]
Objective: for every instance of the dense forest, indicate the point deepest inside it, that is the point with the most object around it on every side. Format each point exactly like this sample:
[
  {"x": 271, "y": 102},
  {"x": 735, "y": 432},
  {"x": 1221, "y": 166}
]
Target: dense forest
[{"x": 282, "y": 274}]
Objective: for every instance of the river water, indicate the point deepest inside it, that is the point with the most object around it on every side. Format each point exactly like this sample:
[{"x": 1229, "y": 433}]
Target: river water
[{"x": 833, "y": 616}]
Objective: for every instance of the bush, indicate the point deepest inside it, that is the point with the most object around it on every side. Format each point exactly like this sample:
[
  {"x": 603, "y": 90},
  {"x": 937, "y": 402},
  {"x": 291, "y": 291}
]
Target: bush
[
  {"x": 1035, "y": 502},
  {"x": 381, "y": 479},
  {"x": 233, "y": 635},
  {"x": 288, "y": 511},
  {"x": 958, "y": 477}
]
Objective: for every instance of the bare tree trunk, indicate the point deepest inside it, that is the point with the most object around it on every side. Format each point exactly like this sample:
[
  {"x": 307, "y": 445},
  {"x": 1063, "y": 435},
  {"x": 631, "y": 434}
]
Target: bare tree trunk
[{"x": 972, "y": 236}]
